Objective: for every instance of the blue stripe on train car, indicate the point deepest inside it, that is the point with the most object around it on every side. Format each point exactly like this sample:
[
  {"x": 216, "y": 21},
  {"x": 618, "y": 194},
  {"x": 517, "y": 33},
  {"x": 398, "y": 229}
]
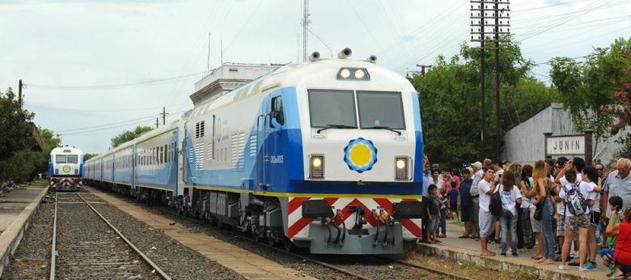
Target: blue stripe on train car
[{"x": 418, "y": 128}]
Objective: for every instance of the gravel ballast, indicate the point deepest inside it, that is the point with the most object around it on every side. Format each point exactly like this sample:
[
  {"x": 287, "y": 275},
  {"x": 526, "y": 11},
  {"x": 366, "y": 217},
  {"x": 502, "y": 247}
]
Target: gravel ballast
[
  {"x": 32, "y": 257},
  {"x": 177, "y": 260}
]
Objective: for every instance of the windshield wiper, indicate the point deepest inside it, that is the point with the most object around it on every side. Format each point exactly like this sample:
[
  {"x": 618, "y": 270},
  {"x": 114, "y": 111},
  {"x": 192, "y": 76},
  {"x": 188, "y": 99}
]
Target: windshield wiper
[
  {"x": 334, "y": 126},
  {"x": 384, "y": 127}
]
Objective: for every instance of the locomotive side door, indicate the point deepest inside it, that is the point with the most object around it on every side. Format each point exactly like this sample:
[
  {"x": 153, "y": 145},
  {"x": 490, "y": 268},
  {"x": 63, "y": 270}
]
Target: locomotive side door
[{"x": 273, "y": 151}]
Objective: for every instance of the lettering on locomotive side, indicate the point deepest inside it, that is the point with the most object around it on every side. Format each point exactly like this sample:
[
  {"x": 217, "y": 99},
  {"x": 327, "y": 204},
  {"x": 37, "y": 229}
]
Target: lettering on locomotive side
[{"x": 276, "y": 159}]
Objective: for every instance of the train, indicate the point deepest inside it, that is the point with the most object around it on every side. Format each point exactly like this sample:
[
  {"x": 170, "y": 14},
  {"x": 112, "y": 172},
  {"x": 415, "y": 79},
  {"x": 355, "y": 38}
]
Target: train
[
  {"x": 65, "y": 168},
  {"x": 326, "y": 156}
]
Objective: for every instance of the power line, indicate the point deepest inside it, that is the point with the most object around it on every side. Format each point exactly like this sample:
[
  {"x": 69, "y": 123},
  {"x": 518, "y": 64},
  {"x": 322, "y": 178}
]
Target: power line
[
  {"x": 106, "y": 124},
  {"x": 563, "y": 20},
  {"x": 66, "y": 109},
  {"x": 113, "y": 86},
  {"x": 361, "y": 20}
]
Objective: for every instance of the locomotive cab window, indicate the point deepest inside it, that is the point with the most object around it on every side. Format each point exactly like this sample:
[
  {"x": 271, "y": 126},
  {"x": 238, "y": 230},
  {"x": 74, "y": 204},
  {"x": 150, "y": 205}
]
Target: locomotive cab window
[
  {"x": 72, "y": 159},
  {"x": 380, "y": 109},
  {"x": 277, "y": 111},
  {"x": 332, "y": 108},
  {"x": 60, "y": 159}
]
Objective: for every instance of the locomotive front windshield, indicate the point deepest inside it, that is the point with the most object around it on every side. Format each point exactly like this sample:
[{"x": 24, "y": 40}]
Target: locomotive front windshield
[
  {"x": 336, "y": 108},
  {"x": 66, "y": 159},
  {"x": 380, "y": 109},
  {"x": 332, "y": 108}
]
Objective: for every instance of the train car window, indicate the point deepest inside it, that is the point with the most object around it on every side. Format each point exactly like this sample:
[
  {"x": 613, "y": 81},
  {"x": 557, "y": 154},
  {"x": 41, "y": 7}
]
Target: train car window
[
  {"x": 277, "y": 110},
  {"x": 380, "y": 109},
  {"x": 161, "y": 154},
  {"x": 197, "y": 130},
  {"x": 166, "y": 153},
  {"x": 331, "y": 108},
  {"x": 201, "y": 128},
  {"x": 60, "y": 159}
]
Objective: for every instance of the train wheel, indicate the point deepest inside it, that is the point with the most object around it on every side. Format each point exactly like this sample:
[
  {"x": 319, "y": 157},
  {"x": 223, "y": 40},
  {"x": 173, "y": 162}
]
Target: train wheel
[{"x": 287, "y": 245}]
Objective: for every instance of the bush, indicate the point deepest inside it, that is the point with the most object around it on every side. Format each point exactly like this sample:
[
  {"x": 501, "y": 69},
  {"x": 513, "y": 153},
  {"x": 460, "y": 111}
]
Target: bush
[{"x": 22, "y": 166}]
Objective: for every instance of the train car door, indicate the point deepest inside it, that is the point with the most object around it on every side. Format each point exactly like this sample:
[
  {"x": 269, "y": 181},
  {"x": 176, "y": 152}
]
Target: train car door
[{"x": 274, "y": 157}]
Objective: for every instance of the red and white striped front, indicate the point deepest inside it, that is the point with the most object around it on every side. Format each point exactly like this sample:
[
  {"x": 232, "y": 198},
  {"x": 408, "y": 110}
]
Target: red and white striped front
[{"x": 298, "y": 225}]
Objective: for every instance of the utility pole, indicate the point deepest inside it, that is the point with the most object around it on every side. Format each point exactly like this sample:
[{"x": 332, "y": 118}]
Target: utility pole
[
  {"x": 157, "y": 122},
  {"x": 221, "y": 49},
  {"x": 20, "y": 86},
  {"x": 208, "y": 57},
  {"x": 423, "y": 67},
  {"x": 305, "y": 29},
  {"x": 478, "y": 34},
  {"x": 164, "y": 115},
  {"x": 500, "y": 7},
  {"x": 478, "y": 14}
]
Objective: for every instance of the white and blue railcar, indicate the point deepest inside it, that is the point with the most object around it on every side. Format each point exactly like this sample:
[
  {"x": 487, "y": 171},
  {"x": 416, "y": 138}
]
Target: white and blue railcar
[
  {"x": 65, "y": 168},
  {"x": 326, "y": 155}
]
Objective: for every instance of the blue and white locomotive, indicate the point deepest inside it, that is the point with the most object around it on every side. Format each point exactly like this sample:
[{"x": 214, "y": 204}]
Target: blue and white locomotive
[
  {"x": 325, "y": 155},
  {"x": 65, "y": 168}
]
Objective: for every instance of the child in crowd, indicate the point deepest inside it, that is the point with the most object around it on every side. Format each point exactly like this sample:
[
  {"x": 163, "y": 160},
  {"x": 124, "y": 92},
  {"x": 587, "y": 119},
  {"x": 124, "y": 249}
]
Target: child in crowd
[
  {"x": 432, "y": 208},
  {"x": 607, "y": 252},
  {"x": 453, "y": 194},
  {"x": 443, "y": 205}
]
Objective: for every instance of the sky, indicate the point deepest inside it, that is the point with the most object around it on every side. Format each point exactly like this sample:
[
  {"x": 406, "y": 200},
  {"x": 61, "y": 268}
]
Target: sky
[{"x": 93, "y": 68}]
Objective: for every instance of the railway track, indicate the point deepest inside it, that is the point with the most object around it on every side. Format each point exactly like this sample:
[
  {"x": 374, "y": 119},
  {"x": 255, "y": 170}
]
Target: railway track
[
  {"x": 344, "y": 269},
  {"x": 85, "y": 245},
  {"x": 359, "y": 267},
  {"x": 350, "y": 270}
]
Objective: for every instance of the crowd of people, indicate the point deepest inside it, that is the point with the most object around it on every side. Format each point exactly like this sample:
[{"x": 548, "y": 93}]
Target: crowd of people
[{"x": 567, "y": 211}]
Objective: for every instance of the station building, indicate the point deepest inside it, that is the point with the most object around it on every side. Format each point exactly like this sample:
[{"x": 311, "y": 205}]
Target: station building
[{"x": 525, "y": 143}]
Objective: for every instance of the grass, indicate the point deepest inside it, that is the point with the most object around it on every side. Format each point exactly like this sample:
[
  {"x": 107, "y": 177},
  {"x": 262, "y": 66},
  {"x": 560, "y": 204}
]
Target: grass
[{"x": 40, "y": 183}]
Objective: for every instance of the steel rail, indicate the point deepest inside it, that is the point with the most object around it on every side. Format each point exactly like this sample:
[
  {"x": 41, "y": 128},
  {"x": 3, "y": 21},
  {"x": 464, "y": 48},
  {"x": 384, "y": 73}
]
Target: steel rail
[
  {"x": 278, "y": 250},
  {"x": 312, "y": 260},
  {"x": 423, "y": 267},
  {"x": 157, "y": 269},
  {"x": 53, "y": 251}
]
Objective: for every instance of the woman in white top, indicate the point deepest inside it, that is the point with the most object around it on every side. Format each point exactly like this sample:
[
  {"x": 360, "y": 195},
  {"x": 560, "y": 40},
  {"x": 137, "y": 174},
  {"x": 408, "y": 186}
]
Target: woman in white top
[
  {"x": 590, "y": 175},
  {"x": 511, "y": 196},
  {"x": 575, "y": 194}
]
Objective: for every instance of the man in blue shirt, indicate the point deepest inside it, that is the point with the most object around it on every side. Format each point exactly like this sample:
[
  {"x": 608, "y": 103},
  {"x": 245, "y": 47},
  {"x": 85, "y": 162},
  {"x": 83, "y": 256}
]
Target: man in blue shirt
[{"x": 466, "y": 203}]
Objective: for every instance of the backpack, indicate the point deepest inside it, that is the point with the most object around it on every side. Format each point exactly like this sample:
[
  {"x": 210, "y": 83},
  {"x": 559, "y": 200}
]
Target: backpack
[
  {"x": 577, "y": 204},
  {"x": 496, "y": 204}
]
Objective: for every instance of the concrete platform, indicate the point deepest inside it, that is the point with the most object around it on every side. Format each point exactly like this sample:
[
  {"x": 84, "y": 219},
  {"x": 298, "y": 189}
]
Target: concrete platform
[
  {"x": 16, "y": 209},
  {"x": 468, "y": 250}
]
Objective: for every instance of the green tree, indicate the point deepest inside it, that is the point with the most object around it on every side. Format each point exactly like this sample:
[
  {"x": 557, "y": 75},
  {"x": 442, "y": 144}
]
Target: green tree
[
  {"x": 51, "y": 140},
  {"x": 15, "y": 126},
  {"x": 450, "y": 102},
  {"x": 88, "y": 156},
  {"x": 129, "y": 135},
  {"x": 19, "y": 162},
  {"x": 586, "y": 88}
]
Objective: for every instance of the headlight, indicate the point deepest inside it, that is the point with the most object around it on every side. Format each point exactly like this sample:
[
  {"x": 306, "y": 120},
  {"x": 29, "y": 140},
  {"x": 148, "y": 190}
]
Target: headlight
[
  {"x": 401, "y": 168},
  {"x": 351, "y": 73},
  {"x": 359, "y": 74},
  {"x": 76, "y": 172},
  {"x": 316, "y": 167},
  {"x": 56, "y": 171},
  {"x": 345, "y": 73}
]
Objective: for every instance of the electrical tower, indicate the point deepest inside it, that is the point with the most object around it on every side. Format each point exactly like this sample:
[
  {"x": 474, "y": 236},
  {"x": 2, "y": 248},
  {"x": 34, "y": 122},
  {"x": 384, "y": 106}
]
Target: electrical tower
[
  {"x": 305, "y": 29},
  {"x": 490, "y": 20},
  {"x": 423, "y": 67}
]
